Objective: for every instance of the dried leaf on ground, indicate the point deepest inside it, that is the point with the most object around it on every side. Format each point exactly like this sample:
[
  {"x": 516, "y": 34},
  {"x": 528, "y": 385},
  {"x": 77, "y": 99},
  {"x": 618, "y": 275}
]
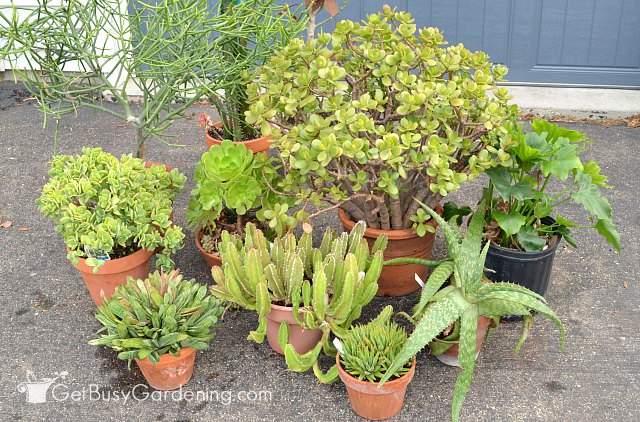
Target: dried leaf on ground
[
  {"x": 24, "y": 229},
  {"x": 6, "y": 224}
]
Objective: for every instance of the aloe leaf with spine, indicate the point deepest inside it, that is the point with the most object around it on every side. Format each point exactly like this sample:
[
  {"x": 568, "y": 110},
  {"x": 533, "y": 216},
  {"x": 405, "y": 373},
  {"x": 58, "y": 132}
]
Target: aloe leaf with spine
[
  {"x": 467, "y": 296},
  {"x": 326, "y": 287}
]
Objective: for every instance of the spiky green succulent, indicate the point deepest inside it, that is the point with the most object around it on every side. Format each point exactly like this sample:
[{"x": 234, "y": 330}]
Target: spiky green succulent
[
  {"x": 368, "y": 350},
  {"x": 379, "y": 112},
  {"x": 457, "y": 291},
  {"x": 100, "y": 204},
  {"x": 326, "y": 286},
  {"x": 161, "y": 314}
]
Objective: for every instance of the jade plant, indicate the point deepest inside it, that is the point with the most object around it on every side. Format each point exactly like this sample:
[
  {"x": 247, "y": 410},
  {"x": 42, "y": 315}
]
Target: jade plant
[
  {"x": 162, "y": 314},
  {"x": 107, "y": 208},
  {"x": 367, "y": 351},
  {"x": 326, "y": 286},
  {"x": 232, "y": 189},
  {"x": 169, "y": 54},
  {"x": 546, "y": 173},
  {"x": 378, "y": 113},
  {"x": 458, "y": 292}
]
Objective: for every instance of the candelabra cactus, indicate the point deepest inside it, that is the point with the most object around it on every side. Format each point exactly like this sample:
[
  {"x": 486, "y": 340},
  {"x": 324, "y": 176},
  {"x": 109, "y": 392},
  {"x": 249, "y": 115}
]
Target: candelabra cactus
[{"x": 326, "y": 287}]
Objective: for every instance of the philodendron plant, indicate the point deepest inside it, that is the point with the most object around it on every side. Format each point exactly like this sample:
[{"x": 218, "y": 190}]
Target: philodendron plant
[
  {"x": 107, "y": 208},
  {"x": 546, "y": 172},
  {"x": 377, "y": 113},
  {"x": 326, "y": 286},
  {"x": 458, "y": 291},
  {"x": 233, "y": 188},
  {"x": 146, "y": 319}
]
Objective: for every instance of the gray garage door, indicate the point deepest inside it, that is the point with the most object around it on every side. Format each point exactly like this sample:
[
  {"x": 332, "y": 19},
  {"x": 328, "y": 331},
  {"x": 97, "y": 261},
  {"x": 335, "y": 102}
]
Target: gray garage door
[{"x": 568, "y": 42}]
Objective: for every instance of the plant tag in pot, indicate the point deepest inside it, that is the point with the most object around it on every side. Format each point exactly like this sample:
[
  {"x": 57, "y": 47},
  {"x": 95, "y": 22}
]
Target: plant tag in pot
[
  {"x": 338, "y": 344},
  {"x": 419, "y": 281},
  {"x": 99, "y": 255}
]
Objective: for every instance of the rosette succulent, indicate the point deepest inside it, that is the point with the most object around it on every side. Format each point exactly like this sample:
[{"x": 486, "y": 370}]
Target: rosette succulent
[{"x": 378, "y": 113}]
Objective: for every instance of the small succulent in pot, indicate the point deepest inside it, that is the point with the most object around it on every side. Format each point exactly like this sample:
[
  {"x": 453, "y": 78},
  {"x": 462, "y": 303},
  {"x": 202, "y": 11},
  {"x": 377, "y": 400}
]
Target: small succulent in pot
[
  {"x": 546, "y": 172},
  {"x": 107, "y": 208},
  {"x": 325, "y": 288},
  {"x": 366, "y": 353},
  {"x": 377, "y": 113},
  {"x": 160, "y": 315},
  {"x": 232, "y": 189}
]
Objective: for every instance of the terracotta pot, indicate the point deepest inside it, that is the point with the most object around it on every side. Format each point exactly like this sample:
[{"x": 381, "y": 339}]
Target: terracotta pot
[
  {"x": 171, "y": 372},
  {"x": 450, "y": 357},
  {"x": 212, "y": 259},
  {"x": 398, "y": 280},
  {"x": 301, "y": 339},
  {"x": 371, "y": 402},
  {"x": 256, "y": 145},
  {"x": 114, "y": 272}
]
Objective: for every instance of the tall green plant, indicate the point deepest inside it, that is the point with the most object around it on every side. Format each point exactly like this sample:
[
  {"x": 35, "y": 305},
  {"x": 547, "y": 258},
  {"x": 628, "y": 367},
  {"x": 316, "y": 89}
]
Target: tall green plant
[
  {"x": 379, "y": 112},
  {"x": 326, "y": 286},
  {"x": 458, "y": 291},
  {"x": 546, "y": 173},
  {"x": 172, "y": 52}
]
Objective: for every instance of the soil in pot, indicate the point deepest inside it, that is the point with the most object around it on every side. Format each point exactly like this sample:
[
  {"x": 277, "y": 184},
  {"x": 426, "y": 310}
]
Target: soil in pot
[
  {"x": 371, "y": 402},
  {"x": 450, "y": 357},
  {"x": 114, "y": 272},
  {"x": 301, "y": 339},
  {"x": 398, "y": 280},
  {"x": 170, "y": 372},
  {"x": 215, "y": 137}
]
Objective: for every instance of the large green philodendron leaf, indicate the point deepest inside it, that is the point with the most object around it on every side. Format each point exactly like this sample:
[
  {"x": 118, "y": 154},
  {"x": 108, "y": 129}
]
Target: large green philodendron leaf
[
  {"x": 501, "y": 179},
  {"x": 589, "y": 196},
  {"x": 563, "y": 161},
  {"x": 510, "y": 223},
  {"x": 608, "y": 230},
  {"x": 554, "y": 132},
  {"x": 528, "y": 238}
]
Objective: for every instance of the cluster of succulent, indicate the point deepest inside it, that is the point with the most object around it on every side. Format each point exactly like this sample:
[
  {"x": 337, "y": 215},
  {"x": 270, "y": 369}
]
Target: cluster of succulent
[
  {"x": 162, "y": 314},
  {"x": 377, "y": 113},
  {"x": 325, "y": 286},
  {"x": 232, "y": 182},
  {"x": 457, "y": 292},
  {"x": 104, "y": 207},
  {"x": 368, "y": 350}
]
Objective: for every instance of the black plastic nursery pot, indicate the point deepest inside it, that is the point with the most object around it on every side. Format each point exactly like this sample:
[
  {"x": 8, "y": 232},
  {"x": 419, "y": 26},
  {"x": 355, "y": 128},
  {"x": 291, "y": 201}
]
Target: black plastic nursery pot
[{"x": 529, "y": 269}]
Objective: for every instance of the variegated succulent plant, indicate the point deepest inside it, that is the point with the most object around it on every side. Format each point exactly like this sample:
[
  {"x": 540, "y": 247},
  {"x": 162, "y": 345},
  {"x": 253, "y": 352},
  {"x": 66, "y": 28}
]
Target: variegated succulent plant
[{"x": 326, "y": 286}]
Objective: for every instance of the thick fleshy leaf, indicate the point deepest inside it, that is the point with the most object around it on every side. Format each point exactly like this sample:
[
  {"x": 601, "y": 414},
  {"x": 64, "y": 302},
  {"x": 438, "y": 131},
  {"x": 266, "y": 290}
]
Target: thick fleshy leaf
[
  {"x": 436, "y": 280},
  {"x": 509, "y": 223},
  {"x": 466, "y": 358}
]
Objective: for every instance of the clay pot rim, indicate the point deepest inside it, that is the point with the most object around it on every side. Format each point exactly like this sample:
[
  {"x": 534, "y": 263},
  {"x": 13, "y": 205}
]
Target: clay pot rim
[
  {"x": 254, "y": 145},
  {"x": 168, "y": 359},
  {"x": 394, "y": 234},
  {"x": 118, "y": 265},
  {"x": 398, "y": 382},
  {"x": 201, "y": 249}
]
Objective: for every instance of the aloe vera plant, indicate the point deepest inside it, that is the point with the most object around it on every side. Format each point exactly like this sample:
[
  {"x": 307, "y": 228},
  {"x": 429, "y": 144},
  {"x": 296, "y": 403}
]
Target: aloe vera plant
[
  {"x": 457, "y": 291},
  {"x": 326, "y": 286},
  {"x": 159, "y": 315}
]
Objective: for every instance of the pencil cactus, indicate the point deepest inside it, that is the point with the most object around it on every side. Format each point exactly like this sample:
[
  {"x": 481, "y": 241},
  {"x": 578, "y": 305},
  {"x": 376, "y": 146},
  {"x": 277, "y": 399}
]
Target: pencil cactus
[{"x": 325, "y": 286}]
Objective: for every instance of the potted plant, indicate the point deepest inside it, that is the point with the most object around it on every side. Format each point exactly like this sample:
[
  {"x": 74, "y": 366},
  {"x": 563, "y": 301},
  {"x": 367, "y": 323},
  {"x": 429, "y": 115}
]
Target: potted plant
[
  {"x": 367, "y": 129},
  {"x": 159, "y": 322},
  {"x": 138, "y": 49},
  {"x": 523, "y": 225},
  {"x": 232, "y": 189},
  {"x": 266, "y": 26},
  {"x": 301, "y": 294},
  {"x": 113, "y": 215},
  {"x": 364, "y": 355},
  {"x": 458, "y": 292}
]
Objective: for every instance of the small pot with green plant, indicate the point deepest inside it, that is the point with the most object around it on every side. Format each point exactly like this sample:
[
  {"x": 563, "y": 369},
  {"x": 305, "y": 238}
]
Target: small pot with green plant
[
  {"x": 364, "y": 355},
  {"x": 523, "y": 225},
  {"x": 113, "y": 215},
  {"x": 376, "y": 114},
  {"x": 302, "y": 294},
  {"x": 457, "y": 291},
  {"x": 232, "y": 189},
  {"x": 266, "y": 26},
  {"x": 160, "y": 322}
]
